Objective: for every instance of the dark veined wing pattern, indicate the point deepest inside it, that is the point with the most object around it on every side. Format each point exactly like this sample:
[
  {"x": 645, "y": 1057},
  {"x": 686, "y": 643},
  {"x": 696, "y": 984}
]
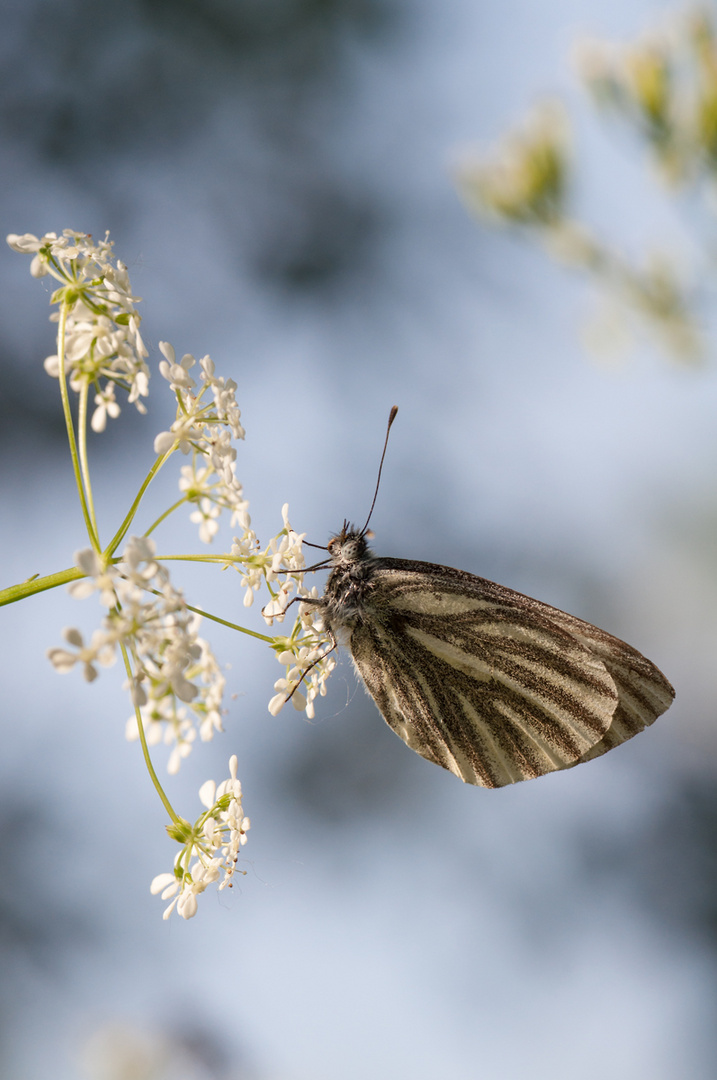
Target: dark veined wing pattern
[{"x": 495, "y": 686}]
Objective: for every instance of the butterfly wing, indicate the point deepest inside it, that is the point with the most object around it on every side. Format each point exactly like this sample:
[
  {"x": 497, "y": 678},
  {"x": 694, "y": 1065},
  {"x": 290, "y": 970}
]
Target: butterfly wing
[
  {"x": 492, "y": 685},
  {"x": 643, "y": 691}
]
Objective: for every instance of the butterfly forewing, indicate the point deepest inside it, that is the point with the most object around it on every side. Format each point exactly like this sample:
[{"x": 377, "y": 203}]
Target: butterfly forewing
[{"x": 490, "y": 684}]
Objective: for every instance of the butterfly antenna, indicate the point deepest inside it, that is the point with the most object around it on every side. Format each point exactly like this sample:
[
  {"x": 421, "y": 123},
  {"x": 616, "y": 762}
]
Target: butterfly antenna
[{"x": 391, "y": 417}]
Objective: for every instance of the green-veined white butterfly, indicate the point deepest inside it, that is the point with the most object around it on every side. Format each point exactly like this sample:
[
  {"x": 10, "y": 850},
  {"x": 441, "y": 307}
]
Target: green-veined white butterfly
[{"x": 490, "y": 684}]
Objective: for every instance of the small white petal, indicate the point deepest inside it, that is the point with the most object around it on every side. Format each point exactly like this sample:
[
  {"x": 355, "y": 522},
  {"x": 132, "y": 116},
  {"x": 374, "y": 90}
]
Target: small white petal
[
  {"x": 168, "y": 911},
  {"x": 167, "y": 350},
  {"x": 161, "y": 881},
  {"x": 25, "y": 244},
  {"x": 277, "y": 704},
  {"x": 207, "y": 793},
  {"x": 88, "y": 561},
  {"x": 80, "y": 590},
  {"x": 131, "y": 730},
  {"x": 187, "y": 905},
  {"x": 164, "y": 442},
  {"x": 61, "y": 660}
]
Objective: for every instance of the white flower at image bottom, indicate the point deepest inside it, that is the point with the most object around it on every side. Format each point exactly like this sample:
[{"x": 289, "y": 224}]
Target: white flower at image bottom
[{"x": 213, "y": 844}]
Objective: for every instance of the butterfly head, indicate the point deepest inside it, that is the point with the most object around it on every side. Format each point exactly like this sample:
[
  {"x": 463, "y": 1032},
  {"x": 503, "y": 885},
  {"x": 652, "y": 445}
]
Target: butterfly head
[{"x": 348, "y": 547}]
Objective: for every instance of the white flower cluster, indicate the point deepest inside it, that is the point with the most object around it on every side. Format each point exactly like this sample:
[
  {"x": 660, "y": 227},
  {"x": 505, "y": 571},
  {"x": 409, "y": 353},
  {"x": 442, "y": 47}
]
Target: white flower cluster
[
  {"x": 177, "y": 684},
  {"x": 207, "y": 421},
  {"x": 304, "y": 653},
  {"x": 282, "y": 561},
  {"x": 210, "y": 846},
  {"x": 102, "y": 343},
  {"x": 308, "y": 661}
]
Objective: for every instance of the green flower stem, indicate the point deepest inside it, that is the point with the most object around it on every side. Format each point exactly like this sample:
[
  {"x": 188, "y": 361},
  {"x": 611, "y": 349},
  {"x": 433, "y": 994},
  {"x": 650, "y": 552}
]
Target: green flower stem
[
  {"x": 84, "y": 461},
  {"x": 207, "y": 614},
  {"x": 38, "y": 584},
  {"x": 121, "y": 532},
  {"x": 231, "y": 625},
  {"x": 165, "y": 515},
  {"x": 145, "y": 749},
  {"x": 94, "y": 540},
  {"x": 197, "y": 558}
]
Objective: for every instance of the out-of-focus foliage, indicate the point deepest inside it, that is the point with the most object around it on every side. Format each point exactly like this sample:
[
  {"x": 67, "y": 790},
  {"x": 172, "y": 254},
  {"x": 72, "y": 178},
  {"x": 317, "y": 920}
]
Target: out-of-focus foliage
[
  {"x": 239, "y": 104},
  {"x": 175, "y": 55},
  {"x": 664, "y": 88},
  {"x": 524, "y": 181},
  {"x": 122, "y": 1050}
]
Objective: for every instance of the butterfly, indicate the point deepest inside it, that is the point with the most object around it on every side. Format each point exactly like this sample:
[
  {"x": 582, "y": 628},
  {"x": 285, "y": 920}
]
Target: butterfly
[{"x": 488, "y": 683}]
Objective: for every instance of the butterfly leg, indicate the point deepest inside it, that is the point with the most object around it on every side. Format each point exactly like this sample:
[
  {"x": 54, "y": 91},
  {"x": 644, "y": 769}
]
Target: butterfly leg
[
  {"x": 312, "y": 665},
  {"x": 296, "y": 600}
]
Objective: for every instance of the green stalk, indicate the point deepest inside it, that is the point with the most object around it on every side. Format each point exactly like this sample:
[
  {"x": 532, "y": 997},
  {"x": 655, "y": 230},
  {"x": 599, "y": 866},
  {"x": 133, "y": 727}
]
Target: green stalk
[
  {"x": 121, "y": 532},
  {"x": 70, "y": 427},
  {"x": 145, "y": 749},
  {"x": 38, "y": 584},
  {"x": 165, "y": 515},
  {"x": 84, "y": 460},
  {"x": 197, "y": 558},
  {"x": 207, "y": 614},
  {"x": 231, "y": 625}
]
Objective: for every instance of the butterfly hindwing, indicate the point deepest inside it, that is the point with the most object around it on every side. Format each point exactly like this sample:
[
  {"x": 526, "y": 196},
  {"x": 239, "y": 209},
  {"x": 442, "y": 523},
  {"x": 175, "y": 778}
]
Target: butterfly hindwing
[
  {"x": 644, "y": 692},
  {"x": 490, "y": 684}
]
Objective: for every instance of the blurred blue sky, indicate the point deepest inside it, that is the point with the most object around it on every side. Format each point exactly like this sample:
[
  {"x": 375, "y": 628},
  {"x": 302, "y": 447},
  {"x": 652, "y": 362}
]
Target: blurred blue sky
[{"x": 277, "y": 175}]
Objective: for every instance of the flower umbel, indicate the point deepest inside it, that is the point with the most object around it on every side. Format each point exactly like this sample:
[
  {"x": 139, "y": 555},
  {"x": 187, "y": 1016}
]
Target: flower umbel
[
  {"x": 177, "y": 684},
  {"x": 308, "y": 660},
  {"x": 207, "y": 420},
  {"x": 210, "y": 848},
  {"x": 103, "y": 347},
  {"x": 174, "y": 681}
]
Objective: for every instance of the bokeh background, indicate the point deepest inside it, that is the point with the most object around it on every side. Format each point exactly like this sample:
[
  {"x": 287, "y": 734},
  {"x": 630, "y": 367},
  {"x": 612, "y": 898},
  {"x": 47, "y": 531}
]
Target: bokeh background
[{"x": 278, "y": 176}]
